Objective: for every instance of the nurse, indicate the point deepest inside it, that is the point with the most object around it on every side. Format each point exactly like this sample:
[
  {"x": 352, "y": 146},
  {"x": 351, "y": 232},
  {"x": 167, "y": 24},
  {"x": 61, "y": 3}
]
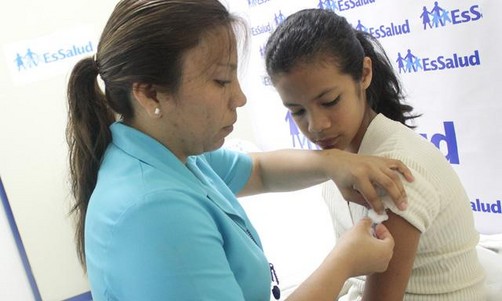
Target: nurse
[{"x": 156, "y": 196}]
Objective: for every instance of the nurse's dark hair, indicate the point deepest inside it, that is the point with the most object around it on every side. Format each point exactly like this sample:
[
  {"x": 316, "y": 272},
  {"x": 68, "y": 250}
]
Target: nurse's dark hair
[
  {"x": 312, "y": 34},
  {"x": 143, "y": 42}
]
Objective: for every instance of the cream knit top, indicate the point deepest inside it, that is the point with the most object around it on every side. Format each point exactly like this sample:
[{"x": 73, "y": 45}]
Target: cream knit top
[{"x": 446, "y": 266}]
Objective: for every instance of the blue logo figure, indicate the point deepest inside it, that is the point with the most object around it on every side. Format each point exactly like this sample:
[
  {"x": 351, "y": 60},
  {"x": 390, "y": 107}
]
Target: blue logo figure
[
  {"x": 279, "y": 18},
  {"x": 417, "y": 63},
  {"x": 361, "y": 27},
  {"x": 426, "y": 20},
  {"x": 445, "y": 16},
  {"x": 303, "y": 142},
  {"x": 19, "y": 62},
  {"x": 262, "y": 51},
  {"x": 439, "y": 16},
  {"x": 29, "y": 60},
  {"x": 409, "y": 63},
  {"x": 400, "y": 64},
  {"x": 329, "y": 4}
]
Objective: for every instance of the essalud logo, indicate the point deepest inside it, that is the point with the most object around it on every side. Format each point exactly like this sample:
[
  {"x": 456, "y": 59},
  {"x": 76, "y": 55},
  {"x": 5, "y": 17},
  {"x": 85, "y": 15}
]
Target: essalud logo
[
  {"x": 413, "y": 63},
  {"x": 29, "y": 59},
  {"x": 252, "y": 3},
  {"x": 342, "y": 5},
  {"x": 385, "y": 30},
  {"x": 269, "y": 27},
  {"x": 438, "y": 16},
  {"x": 329, "y": 4}
]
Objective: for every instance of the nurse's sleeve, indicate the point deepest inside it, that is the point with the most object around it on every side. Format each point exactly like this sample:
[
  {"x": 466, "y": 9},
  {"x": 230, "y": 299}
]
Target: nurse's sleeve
[
  {"x": 234, "y": 168},
  {"x": 169, "y": 248}
]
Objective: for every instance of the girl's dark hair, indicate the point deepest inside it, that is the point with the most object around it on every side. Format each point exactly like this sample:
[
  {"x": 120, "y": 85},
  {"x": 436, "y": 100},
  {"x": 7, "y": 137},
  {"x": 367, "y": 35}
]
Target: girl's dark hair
[
  {"x": 311, "y": 34},
  {"x": 143, "y": 42}
]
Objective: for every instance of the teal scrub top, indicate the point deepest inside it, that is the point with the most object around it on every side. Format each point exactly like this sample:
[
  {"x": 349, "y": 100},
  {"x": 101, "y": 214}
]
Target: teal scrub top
[{"x": 158, "y": 229}]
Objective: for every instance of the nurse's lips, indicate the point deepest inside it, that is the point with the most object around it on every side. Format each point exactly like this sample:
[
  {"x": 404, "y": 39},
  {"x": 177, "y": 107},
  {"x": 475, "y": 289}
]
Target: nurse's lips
[{"x": 228, "y": 129}]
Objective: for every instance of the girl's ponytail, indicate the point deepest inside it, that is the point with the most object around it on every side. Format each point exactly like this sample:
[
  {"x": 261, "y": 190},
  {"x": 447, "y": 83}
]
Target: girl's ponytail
[{"x": 384, "y": 94}]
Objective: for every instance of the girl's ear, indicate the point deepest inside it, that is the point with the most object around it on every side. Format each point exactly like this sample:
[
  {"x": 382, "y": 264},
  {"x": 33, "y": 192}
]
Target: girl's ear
[{"x": 367, "y": 74}]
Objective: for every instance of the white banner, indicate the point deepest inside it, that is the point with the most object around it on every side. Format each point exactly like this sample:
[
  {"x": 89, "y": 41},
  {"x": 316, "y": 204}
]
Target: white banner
[
  {"x": 48, "y": 56},
  {"x": 446, "y": 53}
]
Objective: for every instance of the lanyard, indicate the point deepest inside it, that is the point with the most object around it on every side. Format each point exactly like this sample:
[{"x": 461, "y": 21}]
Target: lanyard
[{"x": 276, "y": 291}]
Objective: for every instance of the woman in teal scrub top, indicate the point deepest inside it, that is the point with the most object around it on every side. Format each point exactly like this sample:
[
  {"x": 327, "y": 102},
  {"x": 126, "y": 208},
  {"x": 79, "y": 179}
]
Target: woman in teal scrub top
[{"x": 156, "y": 197}]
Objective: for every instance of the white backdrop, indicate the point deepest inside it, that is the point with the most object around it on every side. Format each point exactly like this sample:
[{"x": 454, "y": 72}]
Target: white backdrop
[
  {"x": 41, "y": 40},
  {"x": 447, "y": 63}
]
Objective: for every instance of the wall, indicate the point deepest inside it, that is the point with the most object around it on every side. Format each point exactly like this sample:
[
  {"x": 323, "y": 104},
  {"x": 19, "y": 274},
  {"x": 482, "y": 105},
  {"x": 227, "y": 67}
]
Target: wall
[
  {"x": 33, "y": 152},
  {"x": 460, "y": 106}
]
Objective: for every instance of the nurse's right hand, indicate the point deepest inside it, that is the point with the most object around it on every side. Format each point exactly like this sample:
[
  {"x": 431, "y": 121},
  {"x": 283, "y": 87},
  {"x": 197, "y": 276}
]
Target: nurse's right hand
[{"x": 358, "y": 252}]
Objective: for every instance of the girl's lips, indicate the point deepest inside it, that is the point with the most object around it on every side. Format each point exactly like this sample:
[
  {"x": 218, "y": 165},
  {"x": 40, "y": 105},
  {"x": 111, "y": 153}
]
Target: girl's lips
[{"x": 327, "y": 143}]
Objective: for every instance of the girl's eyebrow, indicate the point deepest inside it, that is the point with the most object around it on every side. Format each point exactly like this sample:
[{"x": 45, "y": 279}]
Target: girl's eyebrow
[{"x": 325, "y": 91}]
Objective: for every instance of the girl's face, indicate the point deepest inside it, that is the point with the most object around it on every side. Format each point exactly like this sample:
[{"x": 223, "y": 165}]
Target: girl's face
[
  {"x": 203, "y": 111},
  {"x": 329, "y": 107}
]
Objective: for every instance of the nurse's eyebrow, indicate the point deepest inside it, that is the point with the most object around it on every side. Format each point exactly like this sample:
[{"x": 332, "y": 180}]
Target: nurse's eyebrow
[{"x": 228, "y": 65}]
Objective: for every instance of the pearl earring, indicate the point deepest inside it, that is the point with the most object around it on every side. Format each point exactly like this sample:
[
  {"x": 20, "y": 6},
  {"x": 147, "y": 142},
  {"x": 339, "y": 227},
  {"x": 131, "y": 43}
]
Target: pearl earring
[{"x": 157, "y": 111}]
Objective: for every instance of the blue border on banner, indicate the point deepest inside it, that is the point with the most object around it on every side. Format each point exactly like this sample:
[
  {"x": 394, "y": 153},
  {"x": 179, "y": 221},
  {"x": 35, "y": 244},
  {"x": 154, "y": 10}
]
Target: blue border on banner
[
  {"x": 83, "y": 297},
  {"x": 19, "y": 242}
]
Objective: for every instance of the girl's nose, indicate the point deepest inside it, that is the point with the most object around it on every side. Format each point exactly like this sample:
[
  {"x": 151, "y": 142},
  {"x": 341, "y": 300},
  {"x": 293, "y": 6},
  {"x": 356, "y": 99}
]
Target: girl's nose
[{"x": 318, "y": 122}]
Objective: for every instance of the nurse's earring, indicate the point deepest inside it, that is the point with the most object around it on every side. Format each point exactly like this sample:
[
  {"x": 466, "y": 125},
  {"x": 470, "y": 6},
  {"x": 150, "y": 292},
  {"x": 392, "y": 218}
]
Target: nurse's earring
[{"x": 157, "y": 112}]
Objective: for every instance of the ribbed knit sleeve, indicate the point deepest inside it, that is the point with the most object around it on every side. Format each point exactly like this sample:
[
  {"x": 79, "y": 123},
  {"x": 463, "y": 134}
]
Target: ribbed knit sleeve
[{"x": 446, "y": 266}]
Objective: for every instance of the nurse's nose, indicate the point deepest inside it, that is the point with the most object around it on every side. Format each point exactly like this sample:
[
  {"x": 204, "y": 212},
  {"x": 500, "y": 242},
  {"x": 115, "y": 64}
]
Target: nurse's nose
[{"x": 239, "y": 99}]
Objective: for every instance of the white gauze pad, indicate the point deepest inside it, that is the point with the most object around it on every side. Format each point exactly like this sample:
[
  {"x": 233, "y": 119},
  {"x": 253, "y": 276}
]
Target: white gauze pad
[{"x": 377, "y": 218}]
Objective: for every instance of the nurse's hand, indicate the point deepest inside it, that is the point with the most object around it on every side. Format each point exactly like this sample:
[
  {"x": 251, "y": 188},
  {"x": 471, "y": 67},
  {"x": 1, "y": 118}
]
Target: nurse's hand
[
  {"x": 358, "y": 252},
  {"x": 363, "y": 179}
]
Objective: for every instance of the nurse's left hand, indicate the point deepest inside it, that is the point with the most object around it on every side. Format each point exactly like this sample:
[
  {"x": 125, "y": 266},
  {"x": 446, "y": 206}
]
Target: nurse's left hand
[{"x": 360, "y": 178}]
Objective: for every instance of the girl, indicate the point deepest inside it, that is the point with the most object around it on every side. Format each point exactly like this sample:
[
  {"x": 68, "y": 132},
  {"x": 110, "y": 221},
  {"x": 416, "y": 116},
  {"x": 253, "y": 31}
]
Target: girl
[{"x": 343, "y": 94}]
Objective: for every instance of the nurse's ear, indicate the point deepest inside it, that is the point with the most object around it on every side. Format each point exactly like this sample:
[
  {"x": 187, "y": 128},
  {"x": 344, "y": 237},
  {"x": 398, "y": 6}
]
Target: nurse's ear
[
  {"x": 367, "y": 73},
  {"x": 150, "y": 99}
]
